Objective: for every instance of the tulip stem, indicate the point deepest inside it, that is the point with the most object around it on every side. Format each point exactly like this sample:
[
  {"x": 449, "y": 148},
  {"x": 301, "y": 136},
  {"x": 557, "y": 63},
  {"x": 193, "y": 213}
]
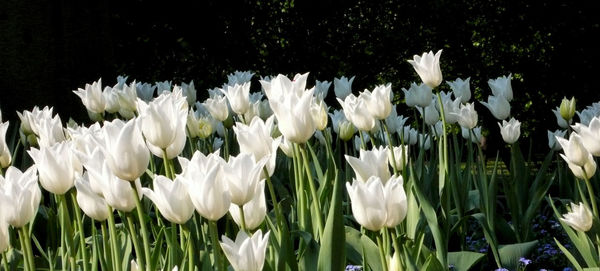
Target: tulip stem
[
  {"x": 362, "y": 141},
  {"x": 273, "y": 197},
  {"x": 95, "y": 249},
  {"x": 590, "y": 189},
  {"x": 243, "y": 216},
  {"x": 190, "y": 247},
  {"x": 5, "y": 261},
  {"x": 226, "y": 151},
  {"x": 112, "y": 229},
  {"x": 26, "y": 248},
  {"x": 313, "y": 192},
  {"x": 396, "y": 250},
  {"x": 66, "y": 233},
  {"x": 136, "y": 241},
  {"x": 84, "y": 254},
  {"x": 140, "y": 213},
  {"x": 387, "y": 132},
  {"x": 218, "y": 260},
  {"x": 382, "y": 255}
]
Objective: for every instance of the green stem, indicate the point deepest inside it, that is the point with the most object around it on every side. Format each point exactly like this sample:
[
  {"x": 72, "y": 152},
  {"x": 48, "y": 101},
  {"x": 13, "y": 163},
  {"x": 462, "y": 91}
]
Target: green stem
[
  {"x": 389, "y": 137},
  {"x": 313, "y": 192},
  {"x": 190, "y": 247},
  {"x": 66, "y": 231},
  {"x": 105, "y": 246},
  {"x": 26, "y": 248},
  {"x": 5, "y": 261},
  {"x": 79, "y": 219},
  {"x": 218, "y": 260},
  {"x": 362, "y": 141},
  {"x": 136, "y": 241},
  {"x": 140, "y": 213},
  {"x": 278, "y": 215},
  {"x": 113, "y": 239},
  {"x": 590, "y": 189},
  {"x": 95, "y": 249},
  {"x": 243, "y": 217},
  {"x": 382, "y": 255},
  {"x": 226, "y": 152},
  {"x": 397, "y": 250}
]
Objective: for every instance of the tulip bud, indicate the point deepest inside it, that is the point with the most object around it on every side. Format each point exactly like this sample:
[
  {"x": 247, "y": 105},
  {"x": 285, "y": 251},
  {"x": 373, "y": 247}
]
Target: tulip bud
[
  {"x": 567, "y": 108},
  {"x": 428, "y": 68},
  {"x": 5, "y": 156},
  {"x": 580, "y": 217},
  {"x": 20, "y": 196},
  {"x": 246, "y": 252},
  {"x": 347, "y": 130},
  {"x": 510, "y": 130},
  {"x": 342, "y": 87},
  {"x": 400, "y": 158}
]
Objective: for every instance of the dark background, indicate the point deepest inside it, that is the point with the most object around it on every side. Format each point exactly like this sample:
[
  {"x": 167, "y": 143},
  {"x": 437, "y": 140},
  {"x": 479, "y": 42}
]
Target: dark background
[{"x": 49, "y": 48}]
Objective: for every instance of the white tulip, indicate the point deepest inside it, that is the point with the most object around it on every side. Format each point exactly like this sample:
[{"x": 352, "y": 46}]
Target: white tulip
[
  {"x": 217, "y": 107},
  {"x": 409, "y": 135},
  {"x": 431, "y": 114},
  {"x": 428, "y": 68},
  {"x": 357, "y": 111},
  {"x": 246, "y": 253},
  {"x": 242, "y": 174},
  {"x": 50, "y": 131},
  {"x": 92, "y": 204},
  {"x": 379, "y": 101},
  {"x": 58, "y": 166},
  {"x": 171, "y": 198},
  {"x": 145, "y": 91},
  {"x": 208, "y": 190},
  {"x": 5, "y": 155},
  {"x": 400, "y": 158},
  {"x": 510, "y": 130},
  {"x": 418, "y": 95},
  {"x": 552, "y": 139},
  {"x": 461, "y": 89},
  {"x": 580, "y": 160},
  {"x": 238, "y": 96},
  {"x": 117, "y": 192},
  {"x": 239, "y": 77},
  {"x": 20, "y": 196},
  {"x": 256, "y": 139},
  {"x": 562, "y": 123},
  {"x": 92, "y": 97},
  {"x": 467, "y": 116},
  {"x": 254, "y": 211},
  {"x": 590, "y": 135},
  {"x": 370, "y": 163},
  {"x": 321, "y": 89},
  {"x": 342, "y": 87},
  {"x": 499, "y": 106},
  {"x": 474, "y": 134},
  {"x": 293, "y": 116},
  {"x": 163, "y": 119},
  {"x": 501, "y": 87},
  {"x": 189, "y": 92},
  {"x": 580, "y": 217},
  {"x": 124, "y": 149}
]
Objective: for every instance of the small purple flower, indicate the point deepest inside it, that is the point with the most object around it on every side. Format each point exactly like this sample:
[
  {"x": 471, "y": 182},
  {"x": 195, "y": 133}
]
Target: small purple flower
[
  {"x": 567, "y": 269},
  {"x": 353, "y": 268},
  {"x": 524, "y": 261},
  {"x": 501, "y": 269}
]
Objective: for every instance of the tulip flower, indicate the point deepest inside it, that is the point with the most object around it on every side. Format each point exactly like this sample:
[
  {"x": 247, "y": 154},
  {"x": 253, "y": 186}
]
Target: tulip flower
[
  {"x": 239, "y": 77},
  {"x": 163, "y": 121},
  {"x": 117, "y": 192},
  {"x": 467, "y": 116},
  {"x": 50, "y": 131},
  {"x": 342, "y": 87},
  {"x": 217, "y": 107},
  {"x": 378, "y": 102},
  {"x": 501, "y": 87},
  {"x": 200, "y": 125},
  {"x": 428, "y": 68},
  {"x": 189, "y": 92},
  {"x": 356, "y": 111},
  {"x": 318, "y": 110},
  {"x": 238, "y": 96},
  {"x": 281, "y": 86},
  {"x": 393, "y": 121},
  {"x": 145, "y": 91},
  {"x": 127, "y": 97},
  {"x": 208, "y": 192},
  {"x": 461, "y": 89},
  {"x": 164, "y": 86},
  {"x": 586, "y": 115},
  {"x": 30, "y": 119},
  {"x": 376, "y": 204},
  {"x": 242, "y": 174},
  {"x": 418, "y": 95},
  {"x": 126, "y": 154},
  {"x": 293, "y": 116},
  {"x": 451, "y": 107},
  {"x": 20, "y": 196},
  {"x": 254, "y": 211},
  {"x": 567, "y": 108},
  {"x": 171, "y": 198},
  {"x": 409, "y": 135},
  {"x": 5, "y": 155},
  {"x": 200, "y": 164},
  {"x": 430, "y": 113},
  {"x": 394, "y": 263},
  {"x": 499, "y": 106},
  {"x": 580, "y": 217},
  {"x": 4, "y": 237},
  {"x": 287, "y": 147},
  {"x": 92, "y": 204},
  {"x": 92, "y": 97},
  {"x": 111, "y": 100},
  {"x": 256, "y": 139},
  {"x": 510, "y": 130},
  {"x": 578, "y": 158},
  {"x": 562, "y": 123},
  {"x": 370, "y": 163},
  {"x": 590, "y": 135},
  {"x": 58, "y": 166},
  {"x": 552, "y": 139},
  {"x": 400, "y": 158},
  {"x": 246, "y": 253},
  {"x": 321, "y": 89}
]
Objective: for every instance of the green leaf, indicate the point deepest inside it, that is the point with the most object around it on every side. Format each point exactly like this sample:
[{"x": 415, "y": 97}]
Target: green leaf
[
  {"x": 432, "y": 264},
  {"x": 356, "y": 243},
  {"x": 569, "y": 256},
  {"x": 463, "y": 260},
  {"x": 510, "y": 254},
  {"x": 330, "y": 256}
]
